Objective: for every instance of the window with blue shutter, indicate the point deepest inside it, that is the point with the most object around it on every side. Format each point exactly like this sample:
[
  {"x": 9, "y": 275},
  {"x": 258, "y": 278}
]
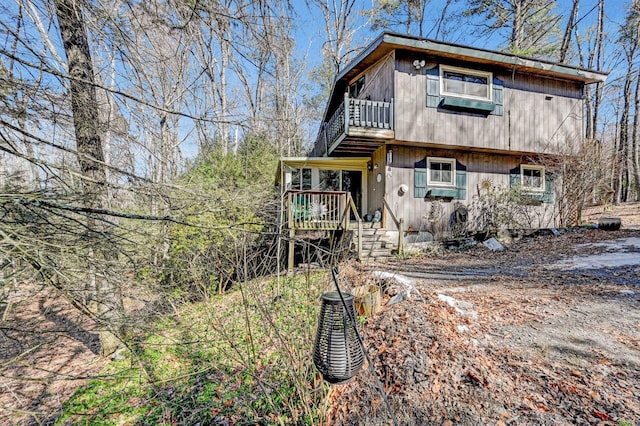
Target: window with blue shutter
[
  {"x": 420, "y": 179},
  {"x": 534, "y": 182},
  {"x": 462, "y": 89},
  {"x": 433, "y": 87},
  {"x": 498, "y": 97},
  {"x": 434, "y": 179}
]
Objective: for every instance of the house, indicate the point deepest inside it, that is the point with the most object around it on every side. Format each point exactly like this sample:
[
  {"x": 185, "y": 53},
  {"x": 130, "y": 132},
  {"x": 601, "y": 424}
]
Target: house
[{"x": 415, "y": 130}]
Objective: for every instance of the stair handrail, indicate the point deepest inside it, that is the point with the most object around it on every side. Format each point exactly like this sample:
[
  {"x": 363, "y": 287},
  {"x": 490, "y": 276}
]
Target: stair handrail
[
  {"x": 359, "y": 220},
  {"x": 399, "y": 224}
]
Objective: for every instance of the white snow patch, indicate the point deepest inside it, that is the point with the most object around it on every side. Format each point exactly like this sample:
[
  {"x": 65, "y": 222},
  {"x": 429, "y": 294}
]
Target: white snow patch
[
  {"x": 463, "y": 308},
  {"x": 407, "y": 282},
  {"x": 622, "y": 252},
  {"x": 462, "y": 329},
  {"x": 399, "y": 278}
]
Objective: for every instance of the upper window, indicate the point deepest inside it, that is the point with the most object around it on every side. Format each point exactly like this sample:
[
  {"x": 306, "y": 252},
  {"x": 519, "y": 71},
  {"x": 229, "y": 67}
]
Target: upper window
[
  {"x": 441, "y": 171},
  {"x": 532, "y": 177},
  {"x": 465, "y": 83},
  {"x": 356, "y": 88}
]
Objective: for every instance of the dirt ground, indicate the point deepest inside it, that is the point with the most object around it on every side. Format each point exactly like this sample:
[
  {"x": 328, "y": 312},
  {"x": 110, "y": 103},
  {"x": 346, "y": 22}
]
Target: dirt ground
[
  {"x": 511, "y": 337},
  {"x": 47, "y": 350},
  {"x": 520, "y": 336}
]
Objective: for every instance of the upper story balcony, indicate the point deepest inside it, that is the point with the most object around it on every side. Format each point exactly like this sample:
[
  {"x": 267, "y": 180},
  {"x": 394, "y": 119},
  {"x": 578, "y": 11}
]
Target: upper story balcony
[{"x": 358, "y": 126}]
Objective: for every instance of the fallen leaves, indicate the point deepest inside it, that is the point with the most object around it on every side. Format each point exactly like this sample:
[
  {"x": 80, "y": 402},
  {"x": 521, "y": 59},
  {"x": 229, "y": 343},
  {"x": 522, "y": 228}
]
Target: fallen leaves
[{"x": 435, "y": 374}]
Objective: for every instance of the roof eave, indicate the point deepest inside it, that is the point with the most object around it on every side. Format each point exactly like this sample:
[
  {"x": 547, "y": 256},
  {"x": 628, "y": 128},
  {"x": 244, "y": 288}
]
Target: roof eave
[{"x": 536, "y": 66}]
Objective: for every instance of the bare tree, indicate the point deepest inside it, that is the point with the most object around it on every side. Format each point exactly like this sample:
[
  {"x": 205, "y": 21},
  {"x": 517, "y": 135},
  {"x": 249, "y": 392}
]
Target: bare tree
[
  {"x": 629, "y": 41},
  {"x": 566, "y": 39},
  {"x": 593, "y": 60},
  {"x": 106, "y": 303},
  {"x": 531, "y": 25},
  {"x": 339, "y": 28},
  {"x": 410, "y": 15}
]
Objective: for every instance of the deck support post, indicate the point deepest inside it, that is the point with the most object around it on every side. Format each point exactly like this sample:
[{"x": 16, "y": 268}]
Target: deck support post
[
  {"x": 291, "y": 259},
  {"x": 359, "y": 239},
  {"x": 401, "y": 237}
]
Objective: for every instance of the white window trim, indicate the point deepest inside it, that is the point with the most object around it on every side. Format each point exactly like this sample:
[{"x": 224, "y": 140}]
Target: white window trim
[
  {"x": 452, "y": 161},
  {"x": 524, "y": 167},
  {"x": 486, "y": 74}
]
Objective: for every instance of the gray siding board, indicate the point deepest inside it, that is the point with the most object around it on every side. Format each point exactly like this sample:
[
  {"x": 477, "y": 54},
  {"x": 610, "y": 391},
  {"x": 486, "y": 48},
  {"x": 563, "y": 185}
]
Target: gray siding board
[
  {"x": 480, "y": 166},
  {"x": 529, "y": 121},
  {"x": 379, "y": 81}
]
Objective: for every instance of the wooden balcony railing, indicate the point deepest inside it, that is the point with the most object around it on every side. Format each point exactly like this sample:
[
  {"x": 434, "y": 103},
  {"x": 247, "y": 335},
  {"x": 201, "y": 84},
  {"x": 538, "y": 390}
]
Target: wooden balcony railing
[
  {"x": 351, "y": 116},
  {"x": 319, "y": 210},
  {"x": 366, "y": 113},
  {"x": 308, "y": 210}
]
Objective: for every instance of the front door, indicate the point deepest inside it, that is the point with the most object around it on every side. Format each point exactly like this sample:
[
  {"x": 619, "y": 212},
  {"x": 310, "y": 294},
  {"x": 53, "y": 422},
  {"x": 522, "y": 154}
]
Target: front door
[{"x": 352, "y": 183}]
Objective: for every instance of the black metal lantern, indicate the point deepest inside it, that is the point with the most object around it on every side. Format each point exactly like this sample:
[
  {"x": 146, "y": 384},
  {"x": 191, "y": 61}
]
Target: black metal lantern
[{"x": 337, "y": 352}]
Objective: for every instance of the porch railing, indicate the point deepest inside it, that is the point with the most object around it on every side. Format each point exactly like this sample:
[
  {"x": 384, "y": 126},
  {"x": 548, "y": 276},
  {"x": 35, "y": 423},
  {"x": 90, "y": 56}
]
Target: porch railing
[
  {"x": 399, "y": 224},
  {"x": 322, "y": 210},
  {"x": 366, "y": 113},
  {"x": 308, "y": 210},
  {"x": 357, "y": 113}
]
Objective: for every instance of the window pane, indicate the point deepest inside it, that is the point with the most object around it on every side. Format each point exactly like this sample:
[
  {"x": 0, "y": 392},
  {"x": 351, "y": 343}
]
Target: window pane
[
  {"x": 453, "y": 82},
  {"x": 295, "y": 179},
  {"x": 477, "y": 89},
  {"x": 532, "y": 178},
  {"x": 453, "y": 76},
  {"x": 329, "y": 180},
  {"x": 306, "y": 179},
  {"x": 440, "y": 171}
]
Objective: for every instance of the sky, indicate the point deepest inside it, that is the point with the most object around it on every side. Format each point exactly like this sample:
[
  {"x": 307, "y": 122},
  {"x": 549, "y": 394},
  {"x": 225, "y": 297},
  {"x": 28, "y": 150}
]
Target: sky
[
  {"x": 310, "y": 33},
  {"x": 310, "y": 30}
]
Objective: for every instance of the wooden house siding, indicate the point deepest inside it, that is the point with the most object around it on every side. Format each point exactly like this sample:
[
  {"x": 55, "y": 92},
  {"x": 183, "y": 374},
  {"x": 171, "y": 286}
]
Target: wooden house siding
[
  {"x": 479, "y": 167},
  {"x": 538, "y": 113},
  {"x": 378, "y": 85},
  {"x": 375, "y": 191}
]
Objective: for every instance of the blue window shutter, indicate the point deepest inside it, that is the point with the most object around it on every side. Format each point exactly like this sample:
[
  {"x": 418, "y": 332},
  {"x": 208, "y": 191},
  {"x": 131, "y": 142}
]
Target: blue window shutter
[
  {"x": 433, "y": 87},
  {"x": 498, "y": 97},
  {"x": 549, "y": 193},
  {"x": 514, "y": 177},
  {"x": 419, "y": 182},
  {"x": 461, "y": 184}
]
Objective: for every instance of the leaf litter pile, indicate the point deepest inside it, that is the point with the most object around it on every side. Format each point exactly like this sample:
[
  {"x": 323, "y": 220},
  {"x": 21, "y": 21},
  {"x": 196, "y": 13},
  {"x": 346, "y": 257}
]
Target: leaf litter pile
[{"x": 502, "y": 338}]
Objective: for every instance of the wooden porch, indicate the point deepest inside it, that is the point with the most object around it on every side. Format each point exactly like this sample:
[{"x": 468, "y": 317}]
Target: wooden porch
[
  {"x": 333, "y": 211},
  {"x": 320, "y": 211},
  {"x": 358, "y": 126}
]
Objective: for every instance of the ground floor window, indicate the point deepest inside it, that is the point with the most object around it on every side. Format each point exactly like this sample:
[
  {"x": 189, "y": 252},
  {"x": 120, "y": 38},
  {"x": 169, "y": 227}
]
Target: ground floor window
[
  {"x": 440, "y": 178},
  {"x": 301, "y": 179},
  {"x": 535, "y": 182},
  {"x": 532, "y": 177},
  {"x": 441, "y": 171},
  {"x": 329, "y": 180}
]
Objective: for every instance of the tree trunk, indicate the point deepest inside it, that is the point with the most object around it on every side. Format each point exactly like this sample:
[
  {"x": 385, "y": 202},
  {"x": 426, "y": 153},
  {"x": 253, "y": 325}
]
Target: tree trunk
[
  {"x": 598, "y": 48},
  {"x": 106, "y": 304},
  {"x": 634, "y": 138},
  {"x": 566, "y": 40},
  {"x": 517, "y": 32}
]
